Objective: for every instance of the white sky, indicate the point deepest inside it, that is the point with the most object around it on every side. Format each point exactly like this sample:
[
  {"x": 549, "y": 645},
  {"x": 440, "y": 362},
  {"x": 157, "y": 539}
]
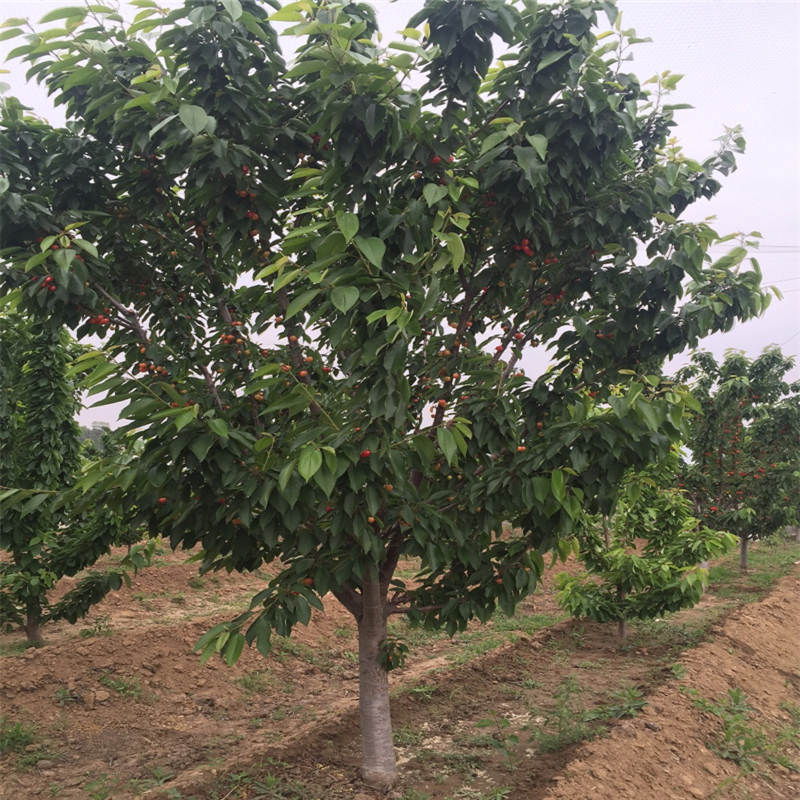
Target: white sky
[{"x": 741, "y": 62}]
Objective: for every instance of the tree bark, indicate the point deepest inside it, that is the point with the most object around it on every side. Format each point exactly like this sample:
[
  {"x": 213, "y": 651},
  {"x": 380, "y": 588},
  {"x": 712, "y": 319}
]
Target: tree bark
[
  {"x": 379, "y": 768},
  {"x": 743, "y": 553},
  {"x": 622, "y": 624},
  {"x": 33, "y": 628}
]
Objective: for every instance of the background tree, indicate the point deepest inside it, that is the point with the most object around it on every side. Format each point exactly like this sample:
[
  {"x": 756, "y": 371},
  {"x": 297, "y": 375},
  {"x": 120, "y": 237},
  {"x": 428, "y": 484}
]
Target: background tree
[
  {"x": 46, "y": 540},
  {"x": 643, "y": 560},
  {"x": 292, "y": 268},
  {"x": 744, "y": 472}
]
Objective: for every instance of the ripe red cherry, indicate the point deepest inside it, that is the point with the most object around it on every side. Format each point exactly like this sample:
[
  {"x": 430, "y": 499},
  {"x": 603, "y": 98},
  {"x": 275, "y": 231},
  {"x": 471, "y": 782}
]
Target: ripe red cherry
[
  {"x": 436, "y": 160},
  {"x": 245, "y": 169},
  {"x": 162, "y": 500},
  {"x": 366, "y": 453}
]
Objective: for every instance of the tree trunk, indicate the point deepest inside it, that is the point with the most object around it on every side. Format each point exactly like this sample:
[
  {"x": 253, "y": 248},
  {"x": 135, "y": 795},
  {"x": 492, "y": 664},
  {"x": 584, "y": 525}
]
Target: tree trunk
[
  {"x": 379, "y": 768},
  {"x": 33, "y": 628},
  {"x": 622, "y": 625},
  {"x": 743, "y": 553}
]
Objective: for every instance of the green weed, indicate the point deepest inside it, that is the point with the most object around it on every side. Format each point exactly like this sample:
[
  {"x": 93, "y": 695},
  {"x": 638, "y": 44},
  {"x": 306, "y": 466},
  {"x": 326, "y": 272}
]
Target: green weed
[
  {"x": 407, "y": 737},
  {"x": 127, "y": 687},
  {"x": 258, "y": 682},
  {"x": 15, "y": 736},
  {"x": 564, "y": 724},
  {"x": 100, "y": 627},
  {"x": 629, "y": 702},
  {"x": 65, "y": 695},
  {"x": 740, "y": 740},
  {"x": 502, "y": 740}
]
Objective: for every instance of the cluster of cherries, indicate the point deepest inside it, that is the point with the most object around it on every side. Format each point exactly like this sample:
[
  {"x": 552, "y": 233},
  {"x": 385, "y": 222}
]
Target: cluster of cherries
[
  {"x": 525, "y": 247},
  {"x": 47, "y": 283},
  {"x": 551, "y": 299}
]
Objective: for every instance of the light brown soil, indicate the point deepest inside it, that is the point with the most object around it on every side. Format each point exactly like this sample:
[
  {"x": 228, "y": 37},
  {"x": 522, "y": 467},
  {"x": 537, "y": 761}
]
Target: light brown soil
[
  {"x": 111, "y": 709},
  {"x": 664, "y": 755}
]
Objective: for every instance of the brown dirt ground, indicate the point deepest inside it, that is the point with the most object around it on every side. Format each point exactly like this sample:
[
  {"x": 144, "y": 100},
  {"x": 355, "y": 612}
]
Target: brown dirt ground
[
  {"x": 663, "y": 754},
  {"x": 111, "y": 708}
]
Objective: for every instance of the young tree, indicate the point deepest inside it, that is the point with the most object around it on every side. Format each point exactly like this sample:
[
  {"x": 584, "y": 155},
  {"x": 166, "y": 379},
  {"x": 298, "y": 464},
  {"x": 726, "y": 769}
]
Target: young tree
[
  {"x": 744, "y": 473},
  {"x": 291, "y": 268},
  {"x": 46, "y": 540},
  {"x": 645, "y": 579}
]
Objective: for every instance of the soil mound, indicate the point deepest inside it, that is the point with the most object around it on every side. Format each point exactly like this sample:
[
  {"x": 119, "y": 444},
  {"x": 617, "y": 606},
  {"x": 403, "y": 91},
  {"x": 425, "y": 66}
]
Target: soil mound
[{"x": 664, "y": 754}]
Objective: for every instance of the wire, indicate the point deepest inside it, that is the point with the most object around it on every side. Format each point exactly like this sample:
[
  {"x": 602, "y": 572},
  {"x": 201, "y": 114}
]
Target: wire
[{"x": 790, "y": 338}]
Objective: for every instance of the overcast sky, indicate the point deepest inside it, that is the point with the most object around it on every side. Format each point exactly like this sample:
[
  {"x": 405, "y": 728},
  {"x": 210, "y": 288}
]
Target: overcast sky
[{"x": 741, "y": 62}]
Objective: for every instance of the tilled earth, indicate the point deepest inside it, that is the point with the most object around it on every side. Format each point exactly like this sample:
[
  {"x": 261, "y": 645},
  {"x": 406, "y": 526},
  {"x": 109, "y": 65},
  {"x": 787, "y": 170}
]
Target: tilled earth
[{"x": 128, "y": 711}]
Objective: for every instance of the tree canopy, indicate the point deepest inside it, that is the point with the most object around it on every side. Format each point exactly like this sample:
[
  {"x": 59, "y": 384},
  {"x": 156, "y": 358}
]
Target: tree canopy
[{"x": 744, "y": 471}]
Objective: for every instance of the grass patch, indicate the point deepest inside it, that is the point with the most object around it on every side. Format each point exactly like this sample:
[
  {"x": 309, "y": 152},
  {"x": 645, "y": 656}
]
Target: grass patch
[
  {"x": 127, "y": 687},
  {"x": 14, "y": 648},
  {"x": 474, "y": 645},
  {"x": 524, "y": 623},
  {"x": 741, "y": 740},
  {"x": 15, "y": 736},
  {"x": 768, "y": 561},
  {"x": 565, "y": 723},
  {"x": 413, "y": 635},
  {"x": 407, "y": 737}
]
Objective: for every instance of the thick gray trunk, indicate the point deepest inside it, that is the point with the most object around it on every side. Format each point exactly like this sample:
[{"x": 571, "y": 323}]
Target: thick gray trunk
[
  {"x": 379, "y": 769},
  {"x": 743, "y": 553}
]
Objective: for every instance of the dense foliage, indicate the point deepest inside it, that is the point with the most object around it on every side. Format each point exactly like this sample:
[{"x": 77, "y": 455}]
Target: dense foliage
[
  {"x": 314, "y": 285},
  {"x": 643, "y": 561},
  {"x": 744, "y": 472},
  {"x": 44, "y": 538}
]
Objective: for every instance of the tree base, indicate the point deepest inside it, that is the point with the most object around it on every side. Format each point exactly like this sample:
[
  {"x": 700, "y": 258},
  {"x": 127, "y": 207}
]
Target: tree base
[{"x": 377, "y": 779}]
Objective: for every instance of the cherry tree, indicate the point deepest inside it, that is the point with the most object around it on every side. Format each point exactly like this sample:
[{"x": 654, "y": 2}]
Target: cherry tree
[{"x": 314, "y": 283}]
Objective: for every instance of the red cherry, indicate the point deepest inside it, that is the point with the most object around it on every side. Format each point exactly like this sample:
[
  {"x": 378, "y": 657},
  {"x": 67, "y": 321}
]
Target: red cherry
[
  {"x": 245, "y": 169},
  {"x": 436, "y": 159},
  {"x": 162, "y": 500},
  {"x": 366, "y": 453}
]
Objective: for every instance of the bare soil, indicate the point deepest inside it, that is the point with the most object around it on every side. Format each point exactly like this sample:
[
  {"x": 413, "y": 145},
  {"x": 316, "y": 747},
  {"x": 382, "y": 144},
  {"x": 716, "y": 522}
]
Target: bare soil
[{"x": 129, "y": 712}]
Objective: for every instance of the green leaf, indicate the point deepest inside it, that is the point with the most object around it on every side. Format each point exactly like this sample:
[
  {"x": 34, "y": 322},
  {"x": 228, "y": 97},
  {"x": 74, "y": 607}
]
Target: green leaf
[
  {"x": 424, "y": 446},
  {"x": 233, "y": 7},
  {"x": 348, "y": 224},
  {"x": 539, "y": 144},
  {"x": 551, "y": 58},
  {"x": 286, "y": 474},
  {"x": 201, "y": 445},
  {"x": 63, "y": 13},
  {"x": 309, "y": 462},
  {"x": 185, "y": 417},
  {"x": 87, "y": 247},
  {"x": 557, "y": 484},
  {"x": 373, "y": 248},
  {"x": 490, "y": 141},
  {"x": 193, "y": 117},
  {"x": 456, "y": 247},
  {"x": 299, "y": 303},
  {"x": 448, "y": 445},
  {"x": 344, "y": 297},
  {"x": 433, "y": 193},
  {"x": 233, "y": 649},
  {"x": 219, "y": 426}
]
